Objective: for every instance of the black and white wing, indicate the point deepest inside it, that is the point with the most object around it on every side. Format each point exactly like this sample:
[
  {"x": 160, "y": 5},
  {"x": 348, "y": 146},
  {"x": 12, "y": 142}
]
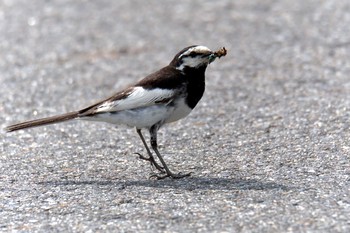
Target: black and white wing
[
  {"x": 131, "y": 98},
  {"x": 161, "y": 87}
]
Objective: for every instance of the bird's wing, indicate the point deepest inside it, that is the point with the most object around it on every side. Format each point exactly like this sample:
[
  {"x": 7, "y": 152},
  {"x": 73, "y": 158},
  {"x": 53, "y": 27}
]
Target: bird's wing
[
  {"x": 137, "y": 97},
  {"x": 131, "y": 98},
  {"x": 158, "y": 88}
]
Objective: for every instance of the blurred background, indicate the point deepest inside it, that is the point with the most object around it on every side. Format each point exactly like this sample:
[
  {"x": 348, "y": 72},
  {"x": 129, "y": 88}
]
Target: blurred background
[{"x": 268, "y": 144}]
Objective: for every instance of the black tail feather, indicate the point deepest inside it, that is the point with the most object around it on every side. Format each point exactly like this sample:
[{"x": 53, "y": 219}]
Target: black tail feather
[{"x": 43, "y": 121}]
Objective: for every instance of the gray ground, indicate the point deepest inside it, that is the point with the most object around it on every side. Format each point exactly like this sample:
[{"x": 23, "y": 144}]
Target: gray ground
[{"x": 268, "y": 144}]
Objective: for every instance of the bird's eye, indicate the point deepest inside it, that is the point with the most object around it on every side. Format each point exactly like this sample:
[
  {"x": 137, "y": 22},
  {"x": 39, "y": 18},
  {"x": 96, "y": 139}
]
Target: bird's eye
[{"x": 193, "y": 54}]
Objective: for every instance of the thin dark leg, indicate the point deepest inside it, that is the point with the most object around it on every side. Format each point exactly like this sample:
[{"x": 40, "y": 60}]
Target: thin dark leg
[
  {"x": 153, "y": 132},
  {"x": 150, "y": 158}
]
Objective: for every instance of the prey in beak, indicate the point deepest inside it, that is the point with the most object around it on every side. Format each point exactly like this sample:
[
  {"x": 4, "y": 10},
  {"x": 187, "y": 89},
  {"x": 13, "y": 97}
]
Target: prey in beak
[{"x": 217, "y": 54}]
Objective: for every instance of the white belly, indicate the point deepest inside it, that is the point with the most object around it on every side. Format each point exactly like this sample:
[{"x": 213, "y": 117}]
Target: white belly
[
  {"x": 180, "y": 111},
  {"x": 139, "y": 118},
  {"x": 144, "y": 117}
]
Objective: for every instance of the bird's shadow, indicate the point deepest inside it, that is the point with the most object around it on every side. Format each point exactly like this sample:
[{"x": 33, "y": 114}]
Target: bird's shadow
[{"x": 191, "y": 183}]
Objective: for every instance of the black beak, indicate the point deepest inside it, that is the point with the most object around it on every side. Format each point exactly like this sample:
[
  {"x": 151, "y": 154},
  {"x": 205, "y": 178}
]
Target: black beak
[{"x": 212, "y": 57}]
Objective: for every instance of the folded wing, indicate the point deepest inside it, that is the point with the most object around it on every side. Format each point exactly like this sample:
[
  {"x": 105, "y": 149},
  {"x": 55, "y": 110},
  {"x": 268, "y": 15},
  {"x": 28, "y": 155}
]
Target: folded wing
[{"x": 131, "y": 98}]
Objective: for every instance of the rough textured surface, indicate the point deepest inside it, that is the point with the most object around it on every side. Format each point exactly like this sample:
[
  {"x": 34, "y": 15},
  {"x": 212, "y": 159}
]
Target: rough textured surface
[{"x": 268, "y": 145}]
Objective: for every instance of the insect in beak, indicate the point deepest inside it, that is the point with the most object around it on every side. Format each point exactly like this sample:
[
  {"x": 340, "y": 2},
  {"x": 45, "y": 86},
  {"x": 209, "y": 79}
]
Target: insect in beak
[{"x": 221, "y": 52}]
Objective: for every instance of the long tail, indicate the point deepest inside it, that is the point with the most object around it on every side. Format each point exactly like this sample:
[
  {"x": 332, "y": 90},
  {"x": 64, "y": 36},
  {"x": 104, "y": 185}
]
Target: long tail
[{"x": 43, "y": 121}]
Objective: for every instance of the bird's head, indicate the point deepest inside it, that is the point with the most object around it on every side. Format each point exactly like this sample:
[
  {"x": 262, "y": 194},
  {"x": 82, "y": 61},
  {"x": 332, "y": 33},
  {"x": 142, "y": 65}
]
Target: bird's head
[{"x": 195, "y": 57}]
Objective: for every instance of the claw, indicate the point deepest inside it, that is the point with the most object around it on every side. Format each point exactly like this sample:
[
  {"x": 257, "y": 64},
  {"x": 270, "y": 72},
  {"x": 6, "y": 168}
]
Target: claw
[
  {"x": 152, "y": 161},
  {"x": 172, "y": 175},
  {"x": 142, "y": 157}
]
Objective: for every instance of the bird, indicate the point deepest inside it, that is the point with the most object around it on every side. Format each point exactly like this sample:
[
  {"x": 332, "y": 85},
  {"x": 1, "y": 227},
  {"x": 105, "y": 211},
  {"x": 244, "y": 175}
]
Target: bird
[{"x": 165, "y": 96}]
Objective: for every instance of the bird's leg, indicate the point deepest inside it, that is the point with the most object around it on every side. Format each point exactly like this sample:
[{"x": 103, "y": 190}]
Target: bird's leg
[
  {"x": 153, "y": 133},
  {"x": 150, "y": 158}
]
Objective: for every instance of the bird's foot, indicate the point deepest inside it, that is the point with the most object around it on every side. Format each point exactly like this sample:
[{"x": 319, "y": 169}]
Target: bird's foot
[
  {"x": 152, "y": 161},
  {"x": 170, "y": 174}
]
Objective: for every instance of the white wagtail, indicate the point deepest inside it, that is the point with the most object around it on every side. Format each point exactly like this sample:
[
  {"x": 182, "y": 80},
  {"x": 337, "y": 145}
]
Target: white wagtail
[{"x": 165, "y": 96}]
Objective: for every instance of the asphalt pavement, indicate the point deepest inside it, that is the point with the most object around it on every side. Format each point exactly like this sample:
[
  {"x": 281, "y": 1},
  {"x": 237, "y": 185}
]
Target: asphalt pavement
[{"x": 268, "y": 145}]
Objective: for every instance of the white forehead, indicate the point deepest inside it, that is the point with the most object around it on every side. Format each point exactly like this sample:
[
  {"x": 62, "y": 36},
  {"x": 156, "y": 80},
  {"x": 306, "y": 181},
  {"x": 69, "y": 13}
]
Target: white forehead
[
  {"x": 196, "y": 61},
  {"x": 197, "y": 49}
]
